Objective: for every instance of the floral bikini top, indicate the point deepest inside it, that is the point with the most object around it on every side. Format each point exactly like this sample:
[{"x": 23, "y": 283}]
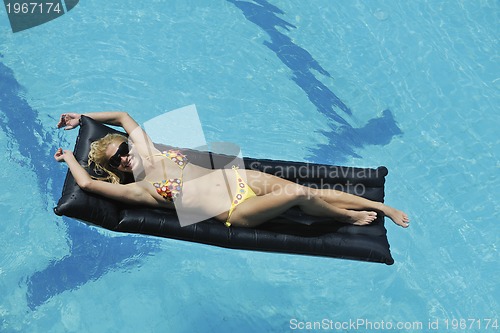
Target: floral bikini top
[{"x": 171, "y": 189}]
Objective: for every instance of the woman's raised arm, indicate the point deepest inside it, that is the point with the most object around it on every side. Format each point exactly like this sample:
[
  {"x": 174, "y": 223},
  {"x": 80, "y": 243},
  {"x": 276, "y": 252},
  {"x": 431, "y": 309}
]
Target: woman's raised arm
[
  {"x": 130, "y": 193},
  {"x": 116, "y": 118}
]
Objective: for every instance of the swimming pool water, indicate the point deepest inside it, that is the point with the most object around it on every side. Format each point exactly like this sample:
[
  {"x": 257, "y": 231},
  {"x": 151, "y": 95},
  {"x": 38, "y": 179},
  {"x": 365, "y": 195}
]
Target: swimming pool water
[{"x": 410, "y": 85}]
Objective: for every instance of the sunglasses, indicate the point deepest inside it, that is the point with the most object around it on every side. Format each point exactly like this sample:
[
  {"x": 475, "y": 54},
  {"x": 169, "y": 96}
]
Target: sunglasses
[{"x": 116, "y": 159}]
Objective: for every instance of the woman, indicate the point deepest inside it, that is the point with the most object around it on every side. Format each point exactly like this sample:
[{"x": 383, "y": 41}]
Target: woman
[{"x": 243, "y": 198}]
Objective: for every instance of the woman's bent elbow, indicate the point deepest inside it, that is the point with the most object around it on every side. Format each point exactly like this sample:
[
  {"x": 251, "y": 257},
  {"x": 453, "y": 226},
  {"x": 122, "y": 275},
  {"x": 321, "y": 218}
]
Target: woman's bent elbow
[
  {"x": 86, "y": 185},
  {"x": 125, "y": 115}
]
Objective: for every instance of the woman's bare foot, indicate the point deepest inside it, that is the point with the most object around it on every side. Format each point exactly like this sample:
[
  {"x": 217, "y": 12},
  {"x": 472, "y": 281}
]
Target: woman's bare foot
[
  {"x": 399, "y": 217},
  {"x": 361, "y": 217}
]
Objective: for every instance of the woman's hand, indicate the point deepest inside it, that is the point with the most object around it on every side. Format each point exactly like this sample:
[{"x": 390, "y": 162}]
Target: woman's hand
[
  {"x": 61, "y": 154},
  {"x": 69, "y": 120}
]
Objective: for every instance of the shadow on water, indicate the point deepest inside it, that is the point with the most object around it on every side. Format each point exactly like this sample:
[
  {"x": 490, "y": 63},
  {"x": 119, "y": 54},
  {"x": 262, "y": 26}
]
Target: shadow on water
[
  {"x": 343, "y": 138},
  {"x": 91, "y": 254}
]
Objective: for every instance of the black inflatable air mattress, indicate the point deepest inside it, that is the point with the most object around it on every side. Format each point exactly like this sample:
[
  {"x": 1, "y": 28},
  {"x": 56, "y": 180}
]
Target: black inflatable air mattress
[{"x": 294, "y": 232}]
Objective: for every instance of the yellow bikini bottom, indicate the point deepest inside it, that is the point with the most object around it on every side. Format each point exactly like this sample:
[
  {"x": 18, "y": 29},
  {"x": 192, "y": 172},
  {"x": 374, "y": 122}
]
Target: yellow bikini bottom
[{"x": 243, "y": 192}]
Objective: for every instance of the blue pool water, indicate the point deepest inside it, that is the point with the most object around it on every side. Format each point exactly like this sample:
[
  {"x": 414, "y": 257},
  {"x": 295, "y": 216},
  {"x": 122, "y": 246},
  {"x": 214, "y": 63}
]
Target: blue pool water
[{"x": 412, "y": 85}]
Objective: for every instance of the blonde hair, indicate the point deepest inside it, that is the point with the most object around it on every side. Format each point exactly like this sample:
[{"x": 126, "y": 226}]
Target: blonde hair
[{"x": 97, "y": 156}]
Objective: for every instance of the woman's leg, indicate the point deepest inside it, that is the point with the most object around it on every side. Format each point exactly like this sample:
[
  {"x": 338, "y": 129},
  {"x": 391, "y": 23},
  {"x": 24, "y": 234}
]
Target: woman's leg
[
  {"x": 259, "y": 209},
  {"x": 263, "y": 183},
  {"x": 350, "y": 201}
]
